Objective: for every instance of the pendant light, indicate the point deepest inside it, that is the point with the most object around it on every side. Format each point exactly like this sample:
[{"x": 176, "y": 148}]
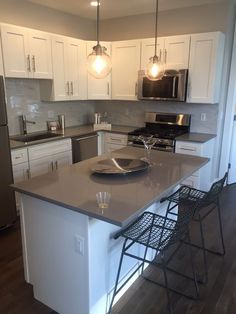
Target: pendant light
[
  {"x": 155, "y": 68},
  {"x": 98, "y": 61}
]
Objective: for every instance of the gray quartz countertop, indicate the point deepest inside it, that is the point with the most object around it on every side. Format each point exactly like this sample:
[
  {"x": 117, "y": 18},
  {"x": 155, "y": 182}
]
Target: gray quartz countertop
[
  {"x": 73, "y": 131},
  {"x": 195, "y": 137},
  {"x": 75, "y": 187}
]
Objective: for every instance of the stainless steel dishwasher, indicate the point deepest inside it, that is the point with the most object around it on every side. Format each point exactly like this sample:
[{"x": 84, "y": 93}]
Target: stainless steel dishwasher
[{"x": 84, "y": 147}]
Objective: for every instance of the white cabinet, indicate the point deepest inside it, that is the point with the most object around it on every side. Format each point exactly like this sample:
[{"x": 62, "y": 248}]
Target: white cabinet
[
  {"x": 205, "y": 67},
  {"x": 20, "y": 168},
  {"x": 203, "y": 178},
  {"x": 48, "y": 157},
  {"x": 69, "y": 71},
  {"x": 125, "y": 67},
  {"x": 26, "y": 52},
  {"x": 113, "y": 141},
  {"x": 99, "y": 88},
  {"x": 173, "y": 51}
]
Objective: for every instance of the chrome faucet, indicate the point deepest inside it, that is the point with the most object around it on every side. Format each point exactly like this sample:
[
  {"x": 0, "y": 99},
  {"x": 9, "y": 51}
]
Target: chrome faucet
[{"x": 23, "y": 123}]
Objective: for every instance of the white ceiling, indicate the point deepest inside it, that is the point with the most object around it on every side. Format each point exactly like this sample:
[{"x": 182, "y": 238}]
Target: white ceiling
[{"x": 118, "y": 8}]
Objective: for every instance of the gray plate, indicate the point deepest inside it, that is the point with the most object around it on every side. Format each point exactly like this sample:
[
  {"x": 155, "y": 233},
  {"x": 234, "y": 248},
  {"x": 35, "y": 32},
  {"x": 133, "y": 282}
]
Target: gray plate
[{"x": 119, "y": 166}]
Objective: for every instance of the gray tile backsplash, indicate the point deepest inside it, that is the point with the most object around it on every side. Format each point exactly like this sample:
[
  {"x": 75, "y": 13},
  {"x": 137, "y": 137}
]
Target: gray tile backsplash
[
  {"x": 23, "y": 97},
  {"x": 132, "y": 112}
]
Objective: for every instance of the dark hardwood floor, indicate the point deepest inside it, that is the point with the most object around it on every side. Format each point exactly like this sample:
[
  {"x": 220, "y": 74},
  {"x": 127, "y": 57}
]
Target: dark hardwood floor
[{"x": 143, "y": 297}]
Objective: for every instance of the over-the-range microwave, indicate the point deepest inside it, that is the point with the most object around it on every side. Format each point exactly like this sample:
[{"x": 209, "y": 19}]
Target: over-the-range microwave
[{"x": 172, "y": 86}]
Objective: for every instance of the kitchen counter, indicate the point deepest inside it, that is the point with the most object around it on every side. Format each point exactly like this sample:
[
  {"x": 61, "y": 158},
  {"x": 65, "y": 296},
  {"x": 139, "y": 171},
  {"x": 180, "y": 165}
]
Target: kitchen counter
[
  {"x": 75, "y": 187},
  {"x": 69, "y": 254},
  {"x": 195, "y": 137},
  {"x": 71, "y": 132}
]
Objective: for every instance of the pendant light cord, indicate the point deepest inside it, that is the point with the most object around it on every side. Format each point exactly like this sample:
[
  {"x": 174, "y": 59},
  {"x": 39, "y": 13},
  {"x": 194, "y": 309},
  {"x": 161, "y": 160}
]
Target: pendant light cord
[
  {"x": 98, "y": 16},
  {"x": 156, "y": 28}
]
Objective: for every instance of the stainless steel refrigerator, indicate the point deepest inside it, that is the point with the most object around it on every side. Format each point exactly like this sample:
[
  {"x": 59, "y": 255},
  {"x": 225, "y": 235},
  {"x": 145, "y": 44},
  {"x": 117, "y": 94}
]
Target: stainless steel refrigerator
[{"x": 7, "y": 196}]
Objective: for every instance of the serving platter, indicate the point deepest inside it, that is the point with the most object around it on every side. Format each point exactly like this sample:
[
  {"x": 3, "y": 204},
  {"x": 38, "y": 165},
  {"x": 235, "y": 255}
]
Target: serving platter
[{"x": 119, "y": 166}]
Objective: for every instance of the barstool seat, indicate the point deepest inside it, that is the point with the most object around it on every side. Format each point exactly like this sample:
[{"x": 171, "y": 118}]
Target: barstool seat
[{"x": 159, "y": 233}]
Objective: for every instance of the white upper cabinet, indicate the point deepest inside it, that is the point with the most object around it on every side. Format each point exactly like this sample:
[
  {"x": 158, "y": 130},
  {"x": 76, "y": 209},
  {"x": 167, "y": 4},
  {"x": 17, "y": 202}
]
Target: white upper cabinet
[
  {"x": 205, "y": 67},
  {"x": 173, "y": 51},
  {"x": 69, "y": 71},
  {"x": 125, "y": 67},
  {"x": 99, "y": 88},
  {"x": 1, "y": 61},
  {"x": 26, "y": 52}
]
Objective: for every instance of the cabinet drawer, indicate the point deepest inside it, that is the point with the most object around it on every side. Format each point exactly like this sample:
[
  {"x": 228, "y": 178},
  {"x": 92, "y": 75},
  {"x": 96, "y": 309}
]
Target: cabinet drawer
[
  {"x": 188, "y": 148},
  {"x": 19, "y": 156},
  {"x": 114, "y": 138},
  {"x": 47, "y": 149},
  {"x": 109, "y": 147}
]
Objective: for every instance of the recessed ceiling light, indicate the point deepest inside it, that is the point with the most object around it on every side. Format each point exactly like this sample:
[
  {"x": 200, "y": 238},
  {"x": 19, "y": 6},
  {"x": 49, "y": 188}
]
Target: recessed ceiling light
[{"x": 94, "y": 3}]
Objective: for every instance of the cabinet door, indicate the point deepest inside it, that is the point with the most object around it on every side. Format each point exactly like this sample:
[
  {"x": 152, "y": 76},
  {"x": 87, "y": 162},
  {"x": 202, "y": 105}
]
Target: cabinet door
[
  {"x": 61, "y": 87},
  {"x": 176, "y": 52},
  {"x": 205, "y": 67},
  {"x": 62, "y": 159},
  {"x": 76, "y": 69},
  {"x": 40, "y": 54},
  {"x": 20, "y": 172},
  {"x": 148, "y": 50},
  {"x": 125, "y": 67},
  {"x": 41, "y": 166},
  {"x": 16, "y": 54},
  {"x": 99, "y": 88},
  {"x": 1, "y": 61}
]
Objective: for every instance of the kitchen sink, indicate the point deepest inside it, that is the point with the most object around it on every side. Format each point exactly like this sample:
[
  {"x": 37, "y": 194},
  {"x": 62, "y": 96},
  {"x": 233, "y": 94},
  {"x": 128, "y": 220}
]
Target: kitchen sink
[{"x": 33, "y": 137}]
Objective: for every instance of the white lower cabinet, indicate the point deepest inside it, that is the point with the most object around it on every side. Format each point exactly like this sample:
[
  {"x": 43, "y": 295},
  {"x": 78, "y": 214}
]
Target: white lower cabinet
[
  {"x": 203, "y": 178},
  {"x": 48, "y": 157},
  {"x": 40, "y": 159},
  {"x": 113, "y": 141},
  {"x": 20, "y": 167}
]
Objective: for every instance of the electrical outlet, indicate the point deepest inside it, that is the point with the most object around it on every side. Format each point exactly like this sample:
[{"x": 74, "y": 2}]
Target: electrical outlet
[
  {"x": 203, "y": 116},
  {"x": 79, "y": 244}
]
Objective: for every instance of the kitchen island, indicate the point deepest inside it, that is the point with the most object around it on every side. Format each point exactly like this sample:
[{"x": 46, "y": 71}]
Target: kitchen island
[{"x": 70, "y": 257}]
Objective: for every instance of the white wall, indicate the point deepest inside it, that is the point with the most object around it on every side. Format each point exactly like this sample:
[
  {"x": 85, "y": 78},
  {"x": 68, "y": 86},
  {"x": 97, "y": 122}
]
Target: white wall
[
  {"x": 23, "y": 13},
  {"x": 198, "y": 19}
]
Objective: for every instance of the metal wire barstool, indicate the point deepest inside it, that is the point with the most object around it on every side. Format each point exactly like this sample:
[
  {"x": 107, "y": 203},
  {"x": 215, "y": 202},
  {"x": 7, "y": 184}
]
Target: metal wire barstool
[
  {"x": 158, "y": 233},
  {"x": 206, "y": 200}
]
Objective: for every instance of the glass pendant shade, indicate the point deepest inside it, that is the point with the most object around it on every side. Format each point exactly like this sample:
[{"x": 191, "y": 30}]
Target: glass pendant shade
[
  {"x": 155, "y": 69},
  {"x": 99, "y": 62}
]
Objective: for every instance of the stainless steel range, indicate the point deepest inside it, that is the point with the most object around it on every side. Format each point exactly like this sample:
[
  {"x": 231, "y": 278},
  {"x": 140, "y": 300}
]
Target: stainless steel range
[{"x": 164, "y": 127}]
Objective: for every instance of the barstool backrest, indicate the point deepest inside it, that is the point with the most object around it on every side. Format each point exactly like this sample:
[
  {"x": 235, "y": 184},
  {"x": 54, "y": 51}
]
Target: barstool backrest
[
  {"x": 214, "y": 191},
  {"x": 186, "y": 211}
]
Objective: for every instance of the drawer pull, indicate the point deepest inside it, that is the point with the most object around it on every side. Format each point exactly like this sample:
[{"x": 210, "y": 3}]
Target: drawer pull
[
  {"x": 18, "y": 157},
  {"x": 188, "y": 149}
]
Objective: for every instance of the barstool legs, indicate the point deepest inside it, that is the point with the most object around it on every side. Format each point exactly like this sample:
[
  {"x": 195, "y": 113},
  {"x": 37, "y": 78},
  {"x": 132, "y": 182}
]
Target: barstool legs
[
  {"x": 221, "y": 228},
  {"x": 205, "y": 280},
  {"x": 166, "y": 282}
]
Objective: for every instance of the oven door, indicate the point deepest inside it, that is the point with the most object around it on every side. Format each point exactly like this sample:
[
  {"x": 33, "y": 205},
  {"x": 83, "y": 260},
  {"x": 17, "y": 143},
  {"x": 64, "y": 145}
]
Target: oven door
[{"x": 164, "y": 148}]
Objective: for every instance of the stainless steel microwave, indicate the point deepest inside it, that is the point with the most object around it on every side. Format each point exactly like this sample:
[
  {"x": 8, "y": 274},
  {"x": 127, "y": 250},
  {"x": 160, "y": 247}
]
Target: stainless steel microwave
[{"x": 173, "y": 86}]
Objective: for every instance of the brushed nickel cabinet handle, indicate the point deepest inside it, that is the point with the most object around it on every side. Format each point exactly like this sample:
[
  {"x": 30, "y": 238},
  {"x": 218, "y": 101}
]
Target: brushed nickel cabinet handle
[
  {"x": 52, "y": 166},
  {"x": 68, "y": 87},
  {"x": 136, "y": 89},
  {"x": 165, "y": 55},
  {"x": 28, "y": 63},
  {"x": 108, "y": 88},
  {"x": 33, "y": 63},
  {"x": 72, "y": 88},
  {"x": 28, "y": 174},
  {"x": 56, "y": 164},
  {"x": 160, "y": 55}
]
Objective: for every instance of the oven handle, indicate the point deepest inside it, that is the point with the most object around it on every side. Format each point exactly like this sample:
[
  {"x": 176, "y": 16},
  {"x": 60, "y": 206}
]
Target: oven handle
[{"x": 170, "y": 149}]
